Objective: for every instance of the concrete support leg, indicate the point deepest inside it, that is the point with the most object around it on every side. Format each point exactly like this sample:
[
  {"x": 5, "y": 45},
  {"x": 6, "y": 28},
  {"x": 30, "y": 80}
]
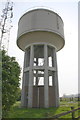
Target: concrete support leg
[
  {"x": 46, "y": 94},
  {"x": 23, "y": 93},
  {"x": 30, "y": 87},
  {"x": 56, "y": 82}
]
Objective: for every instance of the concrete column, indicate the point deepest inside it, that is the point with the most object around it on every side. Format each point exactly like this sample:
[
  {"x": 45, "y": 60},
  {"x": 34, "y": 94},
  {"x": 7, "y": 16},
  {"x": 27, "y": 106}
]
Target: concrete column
[
  {"x": 23, "y": 93},
  {"x": 25, "y": 59},
  {"x": 30, "y": 87},
  {"x": 56, "y": 82},
  {"x": 46, "y": 94}
]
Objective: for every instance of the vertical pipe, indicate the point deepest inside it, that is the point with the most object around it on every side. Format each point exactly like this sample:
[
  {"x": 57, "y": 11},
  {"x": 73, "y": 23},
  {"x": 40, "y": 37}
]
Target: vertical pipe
[
  {"x": 38, "y": 97},
  {"x": 37, "y": 82}
]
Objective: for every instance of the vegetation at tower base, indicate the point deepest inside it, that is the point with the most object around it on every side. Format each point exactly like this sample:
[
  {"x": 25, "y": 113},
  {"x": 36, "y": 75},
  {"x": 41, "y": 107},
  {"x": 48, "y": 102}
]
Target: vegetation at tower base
[
  {"x": 10, "y": 82},
  {"x": 16, "y": 112}
]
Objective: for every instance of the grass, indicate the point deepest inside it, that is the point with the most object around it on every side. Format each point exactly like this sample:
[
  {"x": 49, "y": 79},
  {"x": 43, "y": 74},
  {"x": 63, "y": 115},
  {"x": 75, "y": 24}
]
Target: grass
[{"x": 17, "y": 112}]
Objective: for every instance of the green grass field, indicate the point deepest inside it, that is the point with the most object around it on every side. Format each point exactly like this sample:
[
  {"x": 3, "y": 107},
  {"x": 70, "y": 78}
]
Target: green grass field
[{"x": 17, "y": 112}]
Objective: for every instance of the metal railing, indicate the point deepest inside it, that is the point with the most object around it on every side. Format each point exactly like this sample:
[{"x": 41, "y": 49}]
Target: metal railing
[
  {"x": 55, "y": 117},
  {"x": 65, "y": 113}
]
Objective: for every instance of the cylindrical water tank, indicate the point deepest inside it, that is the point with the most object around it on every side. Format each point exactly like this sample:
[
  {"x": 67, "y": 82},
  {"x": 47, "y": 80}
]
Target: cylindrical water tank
[{"x": 40, "y": 25}]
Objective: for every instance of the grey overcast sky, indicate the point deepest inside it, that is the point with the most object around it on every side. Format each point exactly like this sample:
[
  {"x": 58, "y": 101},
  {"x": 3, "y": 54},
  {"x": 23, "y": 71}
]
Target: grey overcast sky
[{"x": 67, "y": 58}]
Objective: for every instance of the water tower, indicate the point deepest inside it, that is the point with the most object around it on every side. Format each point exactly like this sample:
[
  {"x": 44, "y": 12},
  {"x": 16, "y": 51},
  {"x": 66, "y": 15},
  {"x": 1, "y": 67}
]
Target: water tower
[{"x": 40, "y": 36}]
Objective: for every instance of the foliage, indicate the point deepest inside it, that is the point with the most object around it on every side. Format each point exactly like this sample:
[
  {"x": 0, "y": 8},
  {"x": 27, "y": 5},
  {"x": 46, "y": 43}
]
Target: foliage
[
  {"x": 19, "y": 94},
  {"x": 17, "y": 112},
  {"x": 10, "y": 81}
]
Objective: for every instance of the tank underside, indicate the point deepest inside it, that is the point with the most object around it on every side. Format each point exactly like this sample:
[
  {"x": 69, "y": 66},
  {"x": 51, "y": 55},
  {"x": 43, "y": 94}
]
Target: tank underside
[{"x": 41, "y": 36}]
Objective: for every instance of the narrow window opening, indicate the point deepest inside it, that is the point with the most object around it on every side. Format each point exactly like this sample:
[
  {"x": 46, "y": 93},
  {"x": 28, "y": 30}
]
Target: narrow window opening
[
  {"x": 50, "y": 81},
  {"x": 27, "y": 57},
  {"x": 38, "y": 79},
  {"x": 38, "y": 55},
  {"x": 51, "y": 77},
  {"x": 50, "y": 56}
]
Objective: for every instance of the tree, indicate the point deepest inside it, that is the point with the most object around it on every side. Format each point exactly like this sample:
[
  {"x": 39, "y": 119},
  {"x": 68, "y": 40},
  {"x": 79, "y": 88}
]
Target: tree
[
  {"x": 19, "y": 94},
  {"x": 10, "y": 81}
]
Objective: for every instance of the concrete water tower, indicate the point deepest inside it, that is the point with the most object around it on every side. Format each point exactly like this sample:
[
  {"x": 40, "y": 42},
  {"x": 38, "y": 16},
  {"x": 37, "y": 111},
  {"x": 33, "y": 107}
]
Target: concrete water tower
[{"x": 40, "y": 36}]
